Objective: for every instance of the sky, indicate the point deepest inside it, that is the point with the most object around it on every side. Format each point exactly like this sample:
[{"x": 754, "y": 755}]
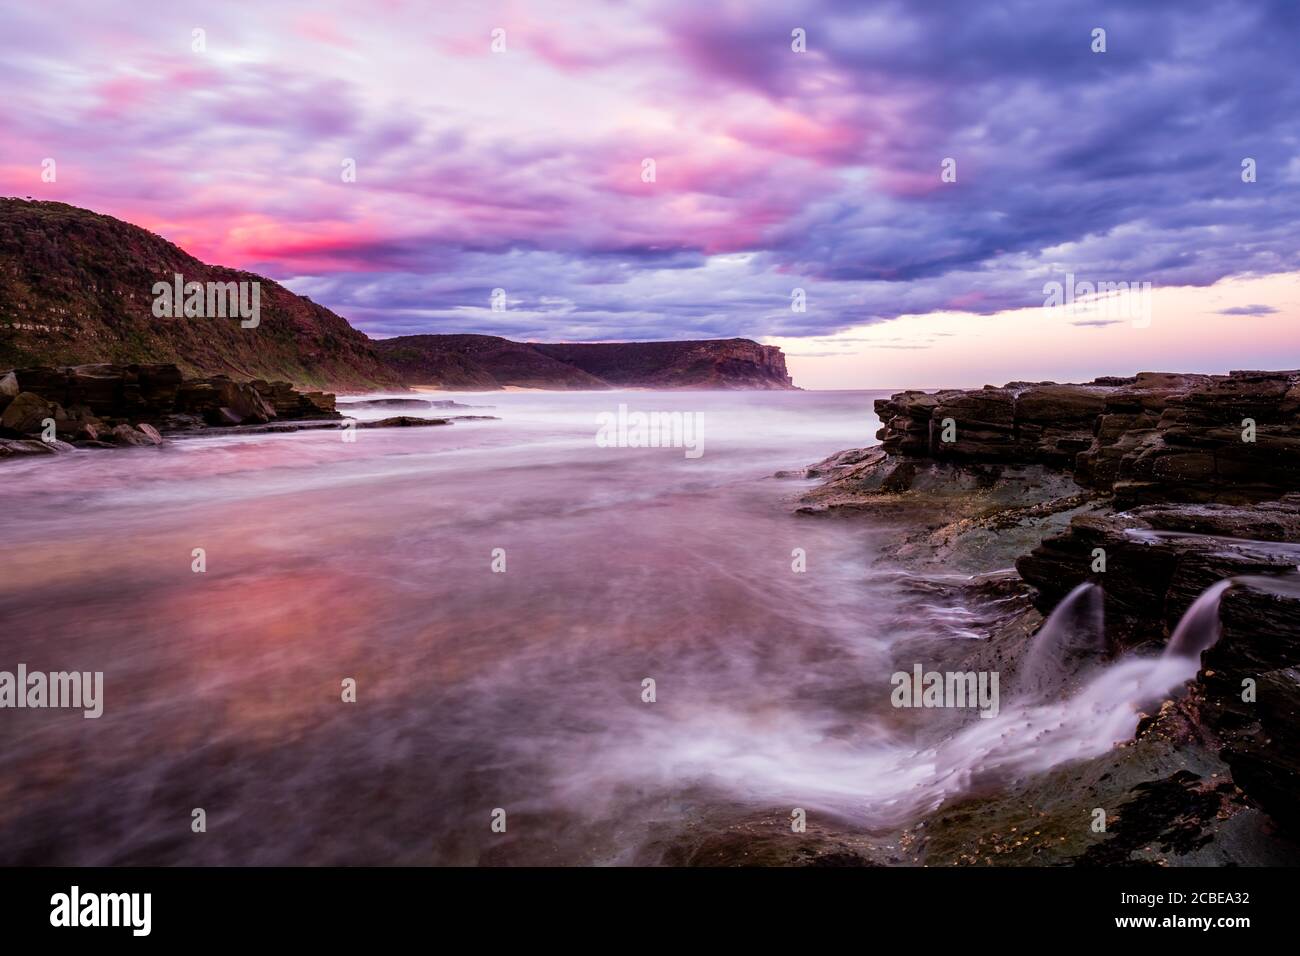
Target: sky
[{"x": 885, "y": 190}]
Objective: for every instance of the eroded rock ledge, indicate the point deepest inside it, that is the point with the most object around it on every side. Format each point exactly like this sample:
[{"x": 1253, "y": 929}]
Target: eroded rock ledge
[
  {"x": 104, "y": 405},
  {"x": 1179, "y": 481},
  {"x": 1154, "y": 437}
]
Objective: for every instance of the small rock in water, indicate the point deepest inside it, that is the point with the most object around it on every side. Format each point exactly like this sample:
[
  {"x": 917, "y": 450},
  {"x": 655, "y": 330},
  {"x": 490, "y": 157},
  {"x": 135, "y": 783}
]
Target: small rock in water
[
  {"x": 403, "y": 421},
  {"x": 10, "y": 448},
  {"x": 127, "y": 435}
]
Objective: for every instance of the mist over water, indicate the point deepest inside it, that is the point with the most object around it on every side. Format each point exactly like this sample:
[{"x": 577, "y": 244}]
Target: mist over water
[{"x": 478, "y": 690}]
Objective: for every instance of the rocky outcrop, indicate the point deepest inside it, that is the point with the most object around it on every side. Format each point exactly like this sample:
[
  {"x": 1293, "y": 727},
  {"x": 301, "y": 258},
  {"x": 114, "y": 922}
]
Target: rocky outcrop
[
  {"x": 1251, "y": 692},
  {"x": 288, "y": 402},
  {"x": 1154, "y": 561},
  {"x": 99, "y": 405},
  {"x": 1233, "y": 438},
  {"x": 488, "y": 362},
  {"x": 1158, "y": 488},
  {"x": 1131, "y": 412},
  {"x": 9, "y": 448},
  {"x": 1031, "y": 424},
  {"x": 1155, "y": 437},
  {"x": 404, "y": 421}
]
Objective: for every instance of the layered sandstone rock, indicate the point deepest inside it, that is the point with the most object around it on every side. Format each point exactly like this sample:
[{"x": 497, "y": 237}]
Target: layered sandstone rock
[
  {"x": 1165, "y": 486},
  {"x": 1252, "y": 692},
  {"x": 1155, "y": 437},
  {"x": 1154, "y": 561},
  {"x": 95, "y": 405},
  {"x": 1233, "y": 438},
  {"x": 1030, "y": 424}
]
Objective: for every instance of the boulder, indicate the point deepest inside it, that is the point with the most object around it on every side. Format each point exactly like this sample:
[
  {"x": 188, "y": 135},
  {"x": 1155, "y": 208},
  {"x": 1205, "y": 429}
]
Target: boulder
[
  {"x": 221, "y": 401},
  {"x": 291, "y": 404},
  {"x": 8, "y": 389},
  {"x": 127, "y": 435},
  {"x": 10, "y": 448},
  {"x": 26, "y": 414},
  {"x": 150, "y": 432}
]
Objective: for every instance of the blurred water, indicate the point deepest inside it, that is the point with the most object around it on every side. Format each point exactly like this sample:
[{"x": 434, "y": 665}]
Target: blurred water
[
  {"x": 476, "y": 690},
  {"x": 371, "y": 560}
]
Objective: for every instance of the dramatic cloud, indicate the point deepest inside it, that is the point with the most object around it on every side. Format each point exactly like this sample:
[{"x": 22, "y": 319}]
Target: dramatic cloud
[{"x": 774, "y": 170}]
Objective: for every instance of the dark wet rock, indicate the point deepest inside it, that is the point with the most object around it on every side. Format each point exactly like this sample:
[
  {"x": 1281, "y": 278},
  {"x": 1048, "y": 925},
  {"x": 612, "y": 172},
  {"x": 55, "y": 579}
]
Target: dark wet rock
[
  {"x": 129, "y": 435},
  {"x": 1185, "y": 442},
  {"x": 407, "y": 403},
  {"x": 289, "y": 403},
  {"x": 1158, "y": 437},
  {"x": 1168, "y": 816},
  {"x": 1259, "y": 651},
  {"x": 1152, "y": 476},
  {"x": 397, "y": 403},
  {"x": 12, "y": 448},
  {"x": 768, "y": 840},
  {"x": 127, "y": 392},
  {"x": 1167, "y": 797},
  {"x": 95, "y": 405},
  {"x": 837, "y": 465},
  {"x": 1030, "y": 424},
  {"x": 27, "y": 413},
  {"x": 221, "y": 401},
  {"x": 181, "y": 422},
  {"x": 404, "y": 421},
  {"x": 965, "y": 516},
  {"x": 276, "y": 428},
  {"x": 1160, "y": 558},
  {"x": 391, "y": 403},
  {"x": 155, "y": 393},
  {"x": 8, "y": 389},
  {"x": 222, "y": 417}
]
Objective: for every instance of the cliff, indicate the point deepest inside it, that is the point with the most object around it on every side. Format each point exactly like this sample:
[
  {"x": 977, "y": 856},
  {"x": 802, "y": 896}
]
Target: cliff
[{"x": 485, "y": 361}]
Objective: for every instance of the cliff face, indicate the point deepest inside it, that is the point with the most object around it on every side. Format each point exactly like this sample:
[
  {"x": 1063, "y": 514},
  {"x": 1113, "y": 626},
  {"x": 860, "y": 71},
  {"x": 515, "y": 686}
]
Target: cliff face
[
  {"x": 76, "y": 287},
  {"x": 710, "y": 363},
  {"x": 485, "y": 361}
]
